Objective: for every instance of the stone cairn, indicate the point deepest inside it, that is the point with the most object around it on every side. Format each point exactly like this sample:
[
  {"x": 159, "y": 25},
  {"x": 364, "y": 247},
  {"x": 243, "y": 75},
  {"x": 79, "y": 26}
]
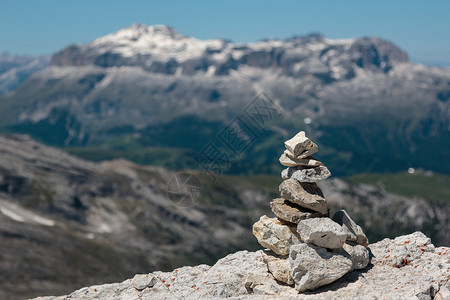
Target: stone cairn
[{"x": 305, "y": 247}]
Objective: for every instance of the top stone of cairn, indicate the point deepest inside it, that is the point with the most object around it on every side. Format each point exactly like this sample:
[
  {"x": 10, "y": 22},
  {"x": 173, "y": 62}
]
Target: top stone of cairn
[{"x": 300, "y": 145}]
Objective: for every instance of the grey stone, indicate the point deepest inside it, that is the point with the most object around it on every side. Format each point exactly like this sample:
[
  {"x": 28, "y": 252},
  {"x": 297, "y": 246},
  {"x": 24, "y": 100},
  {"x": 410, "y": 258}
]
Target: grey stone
[
  {"x": 299, "y": 143},
  {"x": 304, "y": 174},
  {"x": 264, "y": 289},
  {"x": 278, "y": 266},
  {"x": 295, "y": 162},
  {"x": 307, "y": 195},
  {"x": 313, "y": 266},
  {"x": 359, "y": 255},
  {"x": 275, "y": 234},
  {"x": 142, "y": 281},
  {"x": 291, "y": 212},
  {"x": 354, "y": 231},
  {"x": 322, "y": 232}
]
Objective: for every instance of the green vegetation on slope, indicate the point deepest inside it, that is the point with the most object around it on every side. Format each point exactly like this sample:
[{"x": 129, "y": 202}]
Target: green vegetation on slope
[
  {"x": 430, "y": 186},
  {"x": 172, "y": 158}
]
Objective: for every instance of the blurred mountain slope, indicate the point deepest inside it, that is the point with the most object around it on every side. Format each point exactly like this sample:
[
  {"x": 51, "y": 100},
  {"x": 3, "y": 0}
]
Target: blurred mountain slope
[
  {"x": 68, "y": 223},
  {"x": 15, "y": 69}
]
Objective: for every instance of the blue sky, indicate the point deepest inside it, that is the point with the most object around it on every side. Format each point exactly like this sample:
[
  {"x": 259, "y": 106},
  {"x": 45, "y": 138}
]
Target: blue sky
[{"x": 422, "y": 28}]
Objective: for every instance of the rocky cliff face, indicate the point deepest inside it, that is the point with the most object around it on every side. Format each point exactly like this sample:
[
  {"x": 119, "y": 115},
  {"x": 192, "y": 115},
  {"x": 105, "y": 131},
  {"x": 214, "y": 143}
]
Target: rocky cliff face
[
  {"x": 161, "y": 49},
  {"x": 408, "y": 267},
  {"x": 107, "y": 221}
]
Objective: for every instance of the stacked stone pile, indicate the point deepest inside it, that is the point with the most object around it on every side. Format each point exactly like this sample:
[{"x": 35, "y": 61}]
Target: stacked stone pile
[{"x": 306, "y": 248}]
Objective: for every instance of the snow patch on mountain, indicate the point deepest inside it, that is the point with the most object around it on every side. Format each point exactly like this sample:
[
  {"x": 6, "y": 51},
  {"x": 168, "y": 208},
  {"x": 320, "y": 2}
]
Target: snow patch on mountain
[
  {"x": 20, "y": 214},
  {"x": 160, "y": 41}
]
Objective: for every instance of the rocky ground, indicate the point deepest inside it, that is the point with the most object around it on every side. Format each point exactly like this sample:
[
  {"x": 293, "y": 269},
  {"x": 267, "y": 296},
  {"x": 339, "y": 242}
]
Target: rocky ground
[{"x": 407, "y": 267}]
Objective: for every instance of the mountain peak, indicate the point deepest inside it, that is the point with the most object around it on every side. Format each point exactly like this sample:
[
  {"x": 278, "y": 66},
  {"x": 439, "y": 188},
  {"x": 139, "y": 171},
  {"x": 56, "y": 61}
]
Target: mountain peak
[
  {"x": 158, "y": 29},
  {"x": 139, "y": 32}
]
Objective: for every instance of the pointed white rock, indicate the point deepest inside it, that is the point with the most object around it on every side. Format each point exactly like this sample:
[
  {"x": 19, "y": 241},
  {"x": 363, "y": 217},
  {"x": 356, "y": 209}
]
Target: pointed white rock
[
  {"x": 299, "y": 144},
  {"x": 354, "y": 232}
]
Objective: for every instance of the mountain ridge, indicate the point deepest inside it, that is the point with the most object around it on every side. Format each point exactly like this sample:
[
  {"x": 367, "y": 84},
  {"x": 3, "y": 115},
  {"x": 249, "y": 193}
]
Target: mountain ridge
[
  {"x": 362, "y": 97},
  {"x": 145, "y": 46}
]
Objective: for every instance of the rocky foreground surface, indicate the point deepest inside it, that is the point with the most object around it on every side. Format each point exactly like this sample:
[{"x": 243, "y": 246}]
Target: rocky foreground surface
[{"x": 407, "y": 267}]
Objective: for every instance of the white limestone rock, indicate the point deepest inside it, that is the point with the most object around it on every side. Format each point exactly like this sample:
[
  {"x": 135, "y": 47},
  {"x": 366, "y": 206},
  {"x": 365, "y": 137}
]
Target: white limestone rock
[
  {"x": 266, "y": 289},
  {"x": 275, "y": 234},
  {"x": 295, "y": 162},
  {"x": 253, "y": 280},
  {"x": 313, "y": 266},
  {"x": 299, "y": 144},
  {"x": 304, "y": 154},
  {"x": 354, "y": 231},
  {"x": 307, "y": 195},
  {"x": 402, "y": 250},
  {"x": 424, "y": 277},
  {"x": 142, "y": 281},
  {"x": 278, "y": 266},
  {"x": 444, "y": 292},
  {"x": 304, "y": 174},
  {"x": 359, "y": 255},
  {"x": 322, "y": 232}
]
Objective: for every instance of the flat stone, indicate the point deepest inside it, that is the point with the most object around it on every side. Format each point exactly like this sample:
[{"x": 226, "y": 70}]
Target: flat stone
[
  {"x": 295, "y": 162},
  {"x": 299, "y": 143},
  {"x": 358, "y": 254},
  {"x": 354, "y": 232},
  {"x": 307, "y": 195},
  {"x": 304, "y": 174},
  {"x": 278, "y": 266},
  {"x": 291, "y": 212},
  {"x": 322, "y": 232},
  {"x": 304, "y": 154},
  {"x": 313, "y": 266},
  {"x": 143, "y": 281},
  {"x": 275, "y": 234}
]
